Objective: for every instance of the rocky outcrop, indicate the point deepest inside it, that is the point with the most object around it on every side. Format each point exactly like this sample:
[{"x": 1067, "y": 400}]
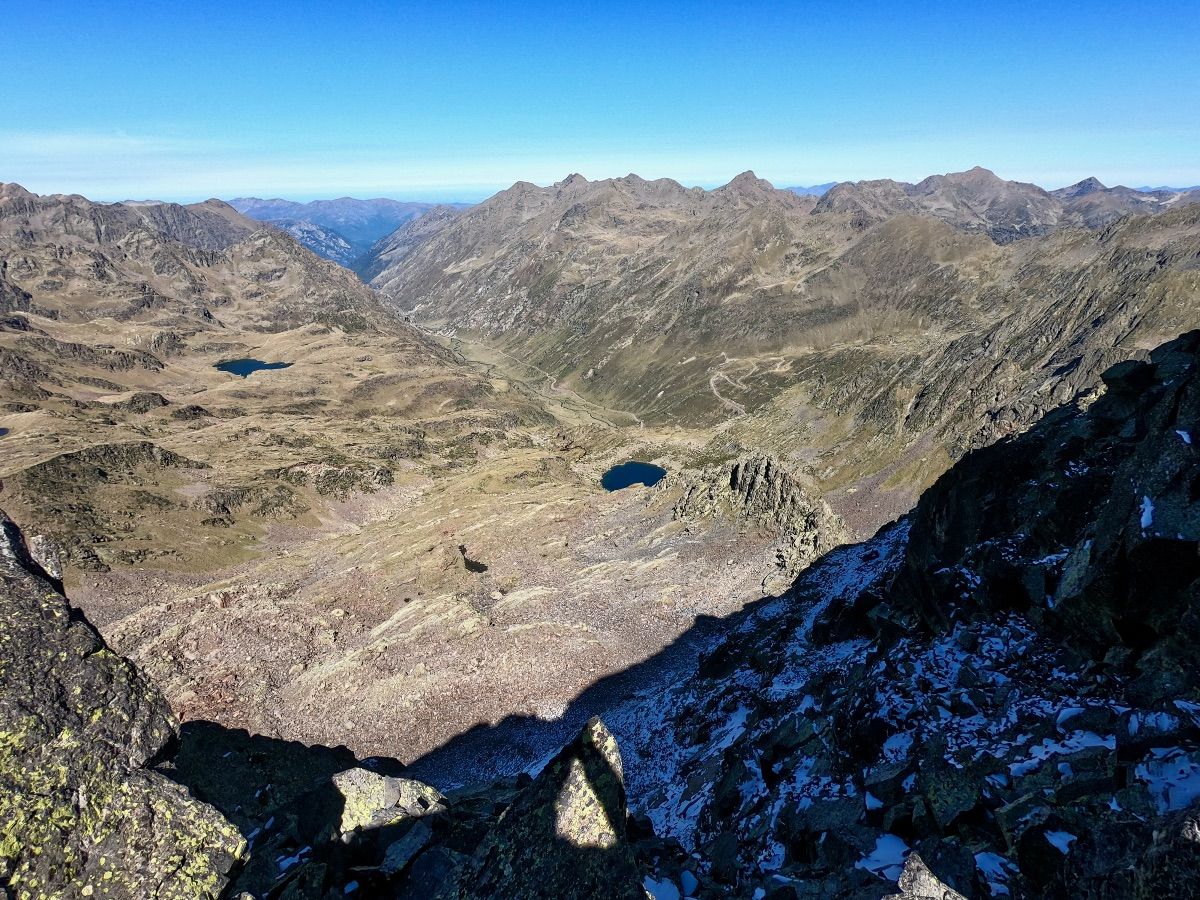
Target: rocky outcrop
[
  {"x": 62, "y": 495},
  {"x": 918, "y": 883},
  {"x": 81, "y": 812},
  {"x": 758, "y": 488}
]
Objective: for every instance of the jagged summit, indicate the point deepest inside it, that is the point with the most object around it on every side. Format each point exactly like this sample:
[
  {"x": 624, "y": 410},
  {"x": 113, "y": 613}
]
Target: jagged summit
[
  {"x": 977, "y": 175},
  {"x": 747, "y": 270},
  {"x": 747, "y": 179}
]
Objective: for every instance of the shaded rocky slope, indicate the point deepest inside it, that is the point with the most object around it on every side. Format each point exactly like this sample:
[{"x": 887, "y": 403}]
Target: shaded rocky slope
[{"x": 1003, "y": 681}]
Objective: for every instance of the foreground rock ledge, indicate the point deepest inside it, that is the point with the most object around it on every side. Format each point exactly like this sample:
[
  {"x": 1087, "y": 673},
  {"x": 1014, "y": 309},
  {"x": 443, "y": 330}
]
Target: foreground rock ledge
[{"x": 80, "y": 814}]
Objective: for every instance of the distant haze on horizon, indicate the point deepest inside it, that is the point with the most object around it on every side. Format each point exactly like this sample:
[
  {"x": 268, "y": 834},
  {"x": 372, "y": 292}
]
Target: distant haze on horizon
[
  {"x": 311, "y": 101},
  {"x": 478, "y": 194}
]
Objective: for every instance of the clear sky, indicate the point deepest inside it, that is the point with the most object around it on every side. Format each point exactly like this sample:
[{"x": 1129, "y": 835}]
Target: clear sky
[{"x": 450, "y": 100}]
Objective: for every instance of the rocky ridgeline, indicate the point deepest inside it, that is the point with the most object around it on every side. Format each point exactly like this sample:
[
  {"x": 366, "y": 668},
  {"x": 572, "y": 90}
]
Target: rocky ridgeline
[
  {"x": 759, "y": 489},
  {"x": 1004, "y": 682}
]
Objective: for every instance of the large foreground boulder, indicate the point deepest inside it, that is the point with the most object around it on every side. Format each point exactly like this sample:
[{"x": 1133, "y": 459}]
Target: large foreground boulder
[
  {"x": 81, "y": 815},
  {"x": 564, "y": 836}
]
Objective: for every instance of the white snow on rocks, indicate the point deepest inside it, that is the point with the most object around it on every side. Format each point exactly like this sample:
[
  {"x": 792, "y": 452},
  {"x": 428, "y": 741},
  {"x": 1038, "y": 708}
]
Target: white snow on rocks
[
  {"x": 1061, "y": 841},
  {"x": 1172, "y": 776},
  {"x": 887, "y": 859},
  {"x": 661, "y": 890},
  {"x": 1073, "y": 742},
  {"x": 996, "y": 871}
]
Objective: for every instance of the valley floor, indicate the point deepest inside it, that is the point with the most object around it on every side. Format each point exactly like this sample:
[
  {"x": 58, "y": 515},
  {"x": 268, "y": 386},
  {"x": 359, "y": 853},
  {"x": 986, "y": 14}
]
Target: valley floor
[{"x": 496, "y": 593}]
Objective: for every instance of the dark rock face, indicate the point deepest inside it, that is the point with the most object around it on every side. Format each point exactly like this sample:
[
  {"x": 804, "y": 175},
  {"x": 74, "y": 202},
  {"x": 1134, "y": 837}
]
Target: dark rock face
[
  {"x": 81, "y": 814},
  {"x": 1090, "y": 523}
]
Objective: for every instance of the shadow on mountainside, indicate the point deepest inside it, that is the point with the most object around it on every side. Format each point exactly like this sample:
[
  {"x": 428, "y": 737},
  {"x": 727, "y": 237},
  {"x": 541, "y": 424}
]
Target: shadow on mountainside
[
  {"x": 282, "y": 797},
  {"x": 518, "y": 742},
  {"x": 279, "y": 794}
]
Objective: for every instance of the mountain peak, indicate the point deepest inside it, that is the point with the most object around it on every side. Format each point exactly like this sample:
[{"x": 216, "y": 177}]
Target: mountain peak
[
  {"x": 1089, "y": 185},
  {"x": 974, "y": 174},
  {"x": 747, "y": 177},
  {"x": 748, "y": 183},
  {"x": 12, "y": 190}
]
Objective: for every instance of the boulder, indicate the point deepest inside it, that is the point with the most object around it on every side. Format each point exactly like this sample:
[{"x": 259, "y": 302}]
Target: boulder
[
  {"x": 563, "y": 836},
  {"x": 371, "y": 800},
  {"x": 918, "y": 883}
]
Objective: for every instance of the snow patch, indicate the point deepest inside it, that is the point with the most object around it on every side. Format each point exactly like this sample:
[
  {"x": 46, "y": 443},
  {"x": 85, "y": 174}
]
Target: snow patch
[
  {"x": 996, "y": 871},
  {"x": 1147, "y": 512},
  {"x": 1061, "y": 841},
  {"x": 661, "y": 890},
  {"x": 1172, "y": 776},
  {"x": 887, "y": 859}
]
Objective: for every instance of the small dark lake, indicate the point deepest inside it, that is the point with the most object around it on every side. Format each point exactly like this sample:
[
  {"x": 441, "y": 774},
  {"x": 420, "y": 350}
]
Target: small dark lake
[
  {"x": 244, "y": 367},
  {"x": 630, "y": 473},
  {"x": 3, "y": 432}
]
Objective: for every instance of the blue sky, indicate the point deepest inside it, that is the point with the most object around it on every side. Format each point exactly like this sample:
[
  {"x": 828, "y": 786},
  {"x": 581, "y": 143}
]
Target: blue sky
[{"x": 455, "y": 100}]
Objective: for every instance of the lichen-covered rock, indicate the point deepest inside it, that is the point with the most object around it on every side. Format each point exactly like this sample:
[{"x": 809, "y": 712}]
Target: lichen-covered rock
[
  {"x": 564, "y": 836},
  {"x": 80, "y": 813},
  {"x": 372, "y": 800}
]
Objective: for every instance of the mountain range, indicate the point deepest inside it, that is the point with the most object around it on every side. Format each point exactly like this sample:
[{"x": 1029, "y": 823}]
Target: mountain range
[
  {"x": 342, "y": 229},
  {"x": 311, "y": 589},
  {"x": 886, "y": 311}
]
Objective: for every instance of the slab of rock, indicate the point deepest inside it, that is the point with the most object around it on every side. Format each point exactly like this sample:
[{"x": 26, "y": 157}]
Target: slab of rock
[{"x": 372, "y": 800}]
